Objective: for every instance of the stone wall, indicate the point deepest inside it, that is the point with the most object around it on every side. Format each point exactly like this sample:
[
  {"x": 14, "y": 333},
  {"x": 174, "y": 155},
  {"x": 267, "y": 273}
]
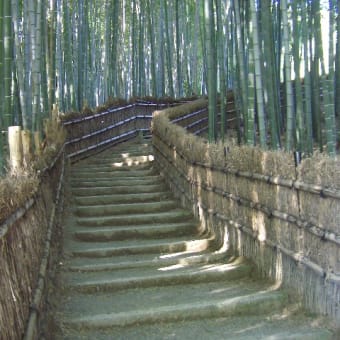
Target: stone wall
[{"x": 264, "y": 206}]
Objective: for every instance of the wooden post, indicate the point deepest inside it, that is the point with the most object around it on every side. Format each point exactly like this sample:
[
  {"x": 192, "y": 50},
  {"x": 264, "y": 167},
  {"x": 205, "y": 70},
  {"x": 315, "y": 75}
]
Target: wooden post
[
  {"x": 55, "y": 112},
  {"x": 26, "y": 137},
  {"x": 37, "y": 143},
  {"x": 15, "y": 147}
]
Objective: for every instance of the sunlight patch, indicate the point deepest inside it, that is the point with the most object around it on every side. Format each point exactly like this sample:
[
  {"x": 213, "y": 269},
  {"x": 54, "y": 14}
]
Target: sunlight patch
[
  {"x": 197, "y": 245},
  {"x": 117, "y": 164},
  {"x": 173, "y": 267}
]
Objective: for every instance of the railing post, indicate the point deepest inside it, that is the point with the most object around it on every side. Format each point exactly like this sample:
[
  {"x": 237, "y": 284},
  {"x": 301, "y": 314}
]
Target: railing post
[
  {"x": 26, "y": 138},
  {"x": 15, "y": 147}
]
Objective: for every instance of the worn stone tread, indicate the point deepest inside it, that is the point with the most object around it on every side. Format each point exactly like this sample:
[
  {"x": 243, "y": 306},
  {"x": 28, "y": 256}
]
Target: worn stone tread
[
  {"x": 148, "y": 232},
  {"x": 117, "y": 198},
  {"x": 126, "y": 208}
]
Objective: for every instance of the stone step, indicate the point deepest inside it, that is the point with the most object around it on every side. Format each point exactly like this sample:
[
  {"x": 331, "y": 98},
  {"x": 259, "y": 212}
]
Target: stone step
[
  {"x": 118, "y": 198},
  {"x": 236, "y": 327},
  {"x": 143, "y": 277},
  {"x": 166, "y": 304},
  {"x": 107, "y": 182},
  {"x": 136, "y": 232},
  {"x": 98, "y": 172},
  {"x": 110, "y": 156},
  {"x": 144, "y": 261},
  {"x": 172, "y": 216},
  {"x": 127, "y": 208},
  {"x": 151, "y": 188},
  {"x": 132, "y": 247}
]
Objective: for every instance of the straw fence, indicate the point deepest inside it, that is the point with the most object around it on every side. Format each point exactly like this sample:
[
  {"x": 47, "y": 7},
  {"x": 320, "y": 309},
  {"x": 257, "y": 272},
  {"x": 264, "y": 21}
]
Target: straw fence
[
  {"x": 26, "y": 239},
  {"x": 282, "y": 216}
]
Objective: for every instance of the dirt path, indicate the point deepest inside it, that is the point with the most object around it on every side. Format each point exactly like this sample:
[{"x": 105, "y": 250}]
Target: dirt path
[{"x": 138, "y": 266}]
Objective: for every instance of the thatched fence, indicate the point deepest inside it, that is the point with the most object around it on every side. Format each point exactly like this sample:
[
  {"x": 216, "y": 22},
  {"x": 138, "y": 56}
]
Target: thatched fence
[
  {"x": 26, "y": 246},
  {"x": 95, "y": 132},
  {"x": 282, "y": 216}
]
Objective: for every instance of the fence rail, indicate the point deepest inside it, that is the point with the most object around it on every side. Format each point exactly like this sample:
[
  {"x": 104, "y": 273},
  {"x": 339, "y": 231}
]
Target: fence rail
[{"x": 91, "y": 134}]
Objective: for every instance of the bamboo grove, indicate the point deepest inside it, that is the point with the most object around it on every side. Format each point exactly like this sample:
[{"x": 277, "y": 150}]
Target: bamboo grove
[{"x": 281, "y": 58}]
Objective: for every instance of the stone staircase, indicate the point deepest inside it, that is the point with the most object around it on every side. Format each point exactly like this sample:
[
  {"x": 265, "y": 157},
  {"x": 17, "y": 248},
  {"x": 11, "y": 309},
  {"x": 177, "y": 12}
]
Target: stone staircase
[{"x": 137, "y": 266}]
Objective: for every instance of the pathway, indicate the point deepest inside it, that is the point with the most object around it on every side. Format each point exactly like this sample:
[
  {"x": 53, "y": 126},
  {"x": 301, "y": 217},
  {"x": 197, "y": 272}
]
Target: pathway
[{"x": 137, "y": 266}]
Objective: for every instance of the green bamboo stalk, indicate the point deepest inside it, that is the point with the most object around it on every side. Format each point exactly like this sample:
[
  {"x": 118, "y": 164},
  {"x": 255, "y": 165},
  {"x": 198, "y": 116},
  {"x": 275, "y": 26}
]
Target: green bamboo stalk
[
  {"x": 211, "y": 62},
  {"x": 187, "y": 23},
  {"x": 195, "y": 50},
  {"x": 203, "y": 39},
  {"x": 258, "y": 77},
  {"x": 168, "y": 50},
  {"x": 51, "y": 55},
  {"x": 134, "y": 47},
  {"x": 315, "y": 71},
  {"x": 141, "y": 87},
  {"x": 1, "y": 62},
  {"x": 242, "y": 95},
  {"x": 328, "y": 87},
  {"x": 288, "y": 80},
  {"x": 337, "y": 71},
  {"x": 178, "y": 51},
  {"x": 67, "y": 44},
  {"x": 152, "y": 48},
  {"x": 59, "y": 59},
  {"x": 81, "y": 63},
  {"x": 7, "y": 80},
  {"x": 272, "y": 85},
  {"x": 308, "y": 145},
  {"x": 44, "y": 52},
  {"x": 220, "y": 51},
  {"x": 107, "y": 50},
  {"x": 19, "y": 65},
  {"x": 161, "y": 66},
  {"x": 36, "y": 68},
  {"x": 2, "y": 157},
  {"x": 114, "y": 46},
  {"x": 300, "y": 120},
  {"x": 250, "y": 127}
]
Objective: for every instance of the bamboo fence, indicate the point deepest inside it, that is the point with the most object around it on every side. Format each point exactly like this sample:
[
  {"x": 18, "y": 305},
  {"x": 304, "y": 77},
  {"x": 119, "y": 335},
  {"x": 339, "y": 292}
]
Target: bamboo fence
[{"x": 282, "y": 216}]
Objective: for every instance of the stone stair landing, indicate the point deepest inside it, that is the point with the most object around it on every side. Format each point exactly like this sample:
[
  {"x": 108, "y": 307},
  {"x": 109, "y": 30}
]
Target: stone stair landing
[{"x": 138, "y": 266}]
